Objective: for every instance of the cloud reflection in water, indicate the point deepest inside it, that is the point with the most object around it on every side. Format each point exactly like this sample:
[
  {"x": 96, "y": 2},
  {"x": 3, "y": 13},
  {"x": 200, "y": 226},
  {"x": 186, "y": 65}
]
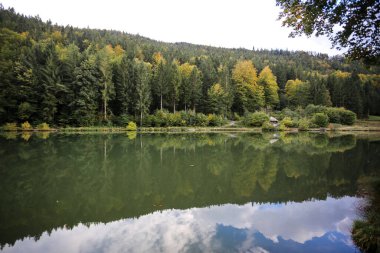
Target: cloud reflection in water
[{"x": 257, "y": 228}]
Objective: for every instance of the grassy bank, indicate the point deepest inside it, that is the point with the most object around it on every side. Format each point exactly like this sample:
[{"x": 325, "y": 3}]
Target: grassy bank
[{"x": 370, "y": 125}]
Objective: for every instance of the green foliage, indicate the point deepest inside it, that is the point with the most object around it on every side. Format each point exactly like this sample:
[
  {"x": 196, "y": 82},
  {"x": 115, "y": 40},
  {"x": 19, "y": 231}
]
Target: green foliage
[
  {"x": 143, "y": 88},
  {"x": 320, "y": 119},
  {"x": 282, "y": 127},
  {"x": 165, "y": 119},
  {"x": 215, "y": 120},
  {"x": 26, "y": 126},
  {"x": 255, "y": 119},
  {"x": 363, "y": 236},
  {"x": 218, "y": 99},
  {"x": 85, "y": 77},
  {"x": 122, "y": 120},
  {"x": 358, "y": 20},
  {"x": 174, "y": 119},
  {"x": 160, "y": 118},
  {"x": 347, "y": 117},
  {"x": 10, "y": 127},
  {"x": 131, "y": 126},
  {"x": 200, "y": 120},
  {"x": 366, "y": 230},
  {"x": 236, "y": 117},
  {"x": 312, "y": 109},
  {"x": 297, "y": 93},
  {"x": 341, "y": 116},
  {"x": 286, "y": 112},
  {"x": 303, "y": 124},
  {"x": 319, "y": 95},
  {"x": 43, "y": 127},
  {"x": 25, "y": 110},
  {"x": 287, "y": 121},
  {"x": 267, "y": 126}
]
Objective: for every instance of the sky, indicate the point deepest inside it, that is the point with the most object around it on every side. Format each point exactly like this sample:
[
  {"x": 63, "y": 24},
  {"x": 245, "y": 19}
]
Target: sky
[{"x": 222, "y": 23}]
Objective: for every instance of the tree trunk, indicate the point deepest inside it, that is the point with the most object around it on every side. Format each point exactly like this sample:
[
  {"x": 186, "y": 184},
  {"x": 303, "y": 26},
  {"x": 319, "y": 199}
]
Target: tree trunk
[
  {"x": 161, "y": 101},
  {"x": 105, "y": 101},
  {"x": 174, "y": 107},
  {"x": 141, "y": 118}
]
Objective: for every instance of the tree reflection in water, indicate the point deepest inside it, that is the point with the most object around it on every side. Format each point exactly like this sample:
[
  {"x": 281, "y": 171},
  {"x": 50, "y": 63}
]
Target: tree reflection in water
[{"x": 48, "y": 182}]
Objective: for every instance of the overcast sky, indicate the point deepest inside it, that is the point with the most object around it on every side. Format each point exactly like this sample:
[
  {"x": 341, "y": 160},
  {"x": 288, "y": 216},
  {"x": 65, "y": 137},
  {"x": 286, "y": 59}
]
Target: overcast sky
[{"x": 232, "y": 24}]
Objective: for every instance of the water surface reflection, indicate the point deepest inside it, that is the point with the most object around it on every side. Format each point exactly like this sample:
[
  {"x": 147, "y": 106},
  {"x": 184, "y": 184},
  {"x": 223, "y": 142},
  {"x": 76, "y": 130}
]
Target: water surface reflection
[
  {"x": 310, "y": 226},
  {"x": 181, "y": 191}
]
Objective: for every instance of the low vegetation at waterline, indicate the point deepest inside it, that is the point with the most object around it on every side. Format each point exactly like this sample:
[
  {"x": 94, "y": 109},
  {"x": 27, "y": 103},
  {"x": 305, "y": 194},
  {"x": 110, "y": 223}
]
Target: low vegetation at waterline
[
  {"x": 312, "y": 117},
  {"x": 366, "y": 230}
]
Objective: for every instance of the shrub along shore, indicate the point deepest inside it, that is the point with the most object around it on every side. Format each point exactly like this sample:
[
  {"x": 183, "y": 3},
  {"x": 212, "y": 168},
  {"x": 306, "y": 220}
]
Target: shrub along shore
[{"x": 311, "y": 118}]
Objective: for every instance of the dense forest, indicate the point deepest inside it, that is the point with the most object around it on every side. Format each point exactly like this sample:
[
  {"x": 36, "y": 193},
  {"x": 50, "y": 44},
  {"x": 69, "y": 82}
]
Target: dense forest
[{"x": 63, "y": 76}]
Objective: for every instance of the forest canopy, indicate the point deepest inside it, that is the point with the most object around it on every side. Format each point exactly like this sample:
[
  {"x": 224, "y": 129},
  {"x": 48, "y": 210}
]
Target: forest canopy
[{"x": 64, "y": 75}]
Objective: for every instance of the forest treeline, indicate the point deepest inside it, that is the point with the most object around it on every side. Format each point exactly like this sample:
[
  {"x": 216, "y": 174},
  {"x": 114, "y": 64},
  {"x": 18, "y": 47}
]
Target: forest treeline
[{"x": 63, "y": 75}]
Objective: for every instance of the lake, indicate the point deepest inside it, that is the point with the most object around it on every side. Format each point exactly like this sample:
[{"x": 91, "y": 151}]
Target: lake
[{"x": 220, "y": 192}]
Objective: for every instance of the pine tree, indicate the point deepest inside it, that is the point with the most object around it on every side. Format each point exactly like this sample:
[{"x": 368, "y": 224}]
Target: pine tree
[
  {"x": 319, "y": 95},
  {"x": 83, "y": 106}
]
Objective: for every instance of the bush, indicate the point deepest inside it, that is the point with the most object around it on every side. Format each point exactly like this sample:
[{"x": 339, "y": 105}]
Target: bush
[
  {"x": 282, "y": 127},
  {"x": 200, "y": 120},
  {"x": 10, "y": 127},
  {"x": 174, "y": 119},
  {"x": 321, "y": 120},
  {"x": 347, "y": 117},
  {"x": 160, "y": 118},
  {"x": 131, "y": 126},
  {"x": 333, "y": 114},
  {"x": 43, "y": 126},
  {"x": 267, "y": 126},
  {"x": 148, "y": 120},
  {"x": 303, "y": 124},
  {"x": 187, "y": 119},
  {"x": 215, "y": 120},
  {"x": 236, "y": 117},
  {"x": 287, "y": 121},
  {"x": 26, "y": 126},
  {"x": 341, "y": 116},
  {"x": 313, "y": 109},
  {"x": 255, "y": 119}
]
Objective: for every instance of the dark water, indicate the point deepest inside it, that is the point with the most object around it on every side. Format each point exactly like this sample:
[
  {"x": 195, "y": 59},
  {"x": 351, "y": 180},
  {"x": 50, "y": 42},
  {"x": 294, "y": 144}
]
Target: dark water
[{"x": 181, "y": 192}]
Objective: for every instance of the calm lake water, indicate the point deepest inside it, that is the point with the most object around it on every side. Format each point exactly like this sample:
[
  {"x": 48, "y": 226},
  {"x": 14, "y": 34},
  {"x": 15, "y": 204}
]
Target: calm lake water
[{"x": 181, "y": 192}]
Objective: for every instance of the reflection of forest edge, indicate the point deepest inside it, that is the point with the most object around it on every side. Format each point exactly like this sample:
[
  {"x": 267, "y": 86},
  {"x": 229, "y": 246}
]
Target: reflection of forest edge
[{"x": 62, "y": 180}]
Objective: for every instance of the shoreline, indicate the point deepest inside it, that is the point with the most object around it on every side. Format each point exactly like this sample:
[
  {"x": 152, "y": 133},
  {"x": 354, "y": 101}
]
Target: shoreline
[{"x": 354, "y": 128}]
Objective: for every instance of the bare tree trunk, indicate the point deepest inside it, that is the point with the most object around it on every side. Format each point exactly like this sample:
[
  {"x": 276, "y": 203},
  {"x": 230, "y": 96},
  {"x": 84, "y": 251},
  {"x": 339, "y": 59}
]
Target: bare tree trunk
[
  {"x": 161, "y": 101},
  {"x": 174, "y": 107},
  {"x": 105, "y": 101},
  {"x": 141, "y": 118}
]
